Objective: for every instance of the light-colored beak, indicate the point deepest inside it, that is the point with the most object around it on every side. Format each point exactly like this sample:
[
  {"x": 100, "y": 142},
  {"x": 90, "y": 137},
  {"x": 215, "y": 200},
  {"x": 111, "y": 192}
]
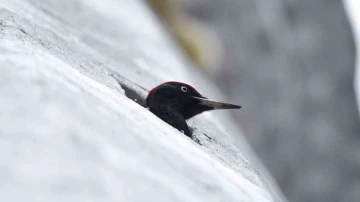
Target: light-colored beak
[{"x": 216, "y": 104}]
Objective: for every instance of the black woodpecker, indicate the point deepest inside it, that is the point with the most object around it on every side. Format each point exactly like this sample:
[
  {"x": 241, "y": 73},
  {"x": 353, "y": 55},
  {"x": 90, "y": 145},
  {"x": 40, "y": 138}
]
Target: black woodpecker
[{"x": 176, "y": 102}]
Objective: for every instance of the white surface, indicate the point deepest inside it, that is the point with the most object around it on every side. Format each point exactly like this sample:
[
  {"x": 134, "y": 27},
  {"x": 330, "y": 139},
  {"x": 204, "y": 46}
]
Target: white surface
[
  {"x": 353, "y": 10},
  {"x": 69, "y": 133}
]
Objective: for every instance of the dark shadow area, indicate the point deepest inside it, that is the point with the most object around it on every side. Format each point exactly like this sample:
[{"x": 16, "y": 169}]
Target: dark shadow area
[{"x": 132, "y": 90}]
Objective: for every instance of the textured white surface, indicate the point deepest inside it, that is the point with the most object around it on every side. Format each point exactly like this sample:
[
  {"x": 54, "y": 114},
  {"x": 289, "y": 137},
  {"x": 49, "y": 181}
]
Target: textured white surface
[
  {"x": 353, "y": 11},
  {"x": 68, "y": 132}
]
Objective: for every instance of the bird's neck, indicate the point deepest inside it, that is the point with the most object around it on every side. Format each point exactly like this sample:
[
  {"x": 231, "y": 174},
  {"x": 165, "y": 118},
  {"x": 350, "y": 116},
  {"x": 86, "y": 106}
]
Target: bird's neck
[{"x": 171, "y": 115}]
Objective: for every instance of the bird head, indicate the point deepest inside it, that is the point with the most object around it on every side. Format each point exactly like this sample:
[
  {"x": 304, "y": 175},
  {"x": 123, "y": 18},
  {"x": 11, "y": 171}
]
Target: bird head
[{"x": 184, "y": 99}]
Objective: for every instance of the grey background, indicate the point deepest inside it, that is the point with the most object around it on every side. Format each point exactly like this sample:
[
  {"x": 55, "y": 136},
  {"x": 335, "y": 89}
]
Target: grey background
[{"x": 290, "y": 63}]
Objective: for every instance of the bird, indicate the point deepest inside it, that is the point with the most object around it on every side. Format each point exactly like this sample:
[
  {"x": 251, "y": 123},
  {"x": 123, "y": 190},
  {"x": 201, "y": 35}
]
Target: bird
[{"x": 176, "y": 102}]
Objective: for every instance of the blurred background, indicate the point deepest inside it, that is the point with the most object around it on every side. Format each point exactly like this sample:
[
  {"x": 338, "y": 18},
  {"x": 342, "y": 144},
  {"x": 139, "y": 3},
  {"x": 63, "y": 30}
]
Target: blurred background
[{"x": 290, "y": 63}]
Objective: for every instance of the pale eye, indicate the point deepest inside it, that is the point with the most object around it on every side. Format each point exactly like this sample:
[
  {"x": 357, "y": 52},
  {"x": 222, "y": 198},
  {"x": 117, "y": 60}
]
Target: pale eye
[{"x": 184, "y": 89}]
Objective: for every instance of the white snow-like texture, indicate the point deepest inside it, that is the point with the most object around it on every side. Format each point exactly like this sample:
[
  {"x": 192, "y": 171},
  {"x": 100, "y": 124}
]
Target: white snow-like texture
[
  {"x": 69, "y": 133},
  {"x": 353, "y": 11}
]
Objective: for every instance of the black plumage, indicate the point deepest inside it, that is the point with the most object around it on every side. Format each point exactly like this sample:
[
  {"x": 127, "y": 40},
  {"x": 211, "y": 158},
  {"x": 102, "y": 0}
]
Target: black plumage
[{"x": 176, "y": 102}]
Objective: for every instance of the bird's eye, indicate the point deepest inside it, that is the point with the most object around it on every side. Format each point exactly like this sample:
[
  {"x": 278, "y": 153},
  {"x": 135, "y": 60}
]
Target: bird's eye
[{"x": 184, "y": 89}]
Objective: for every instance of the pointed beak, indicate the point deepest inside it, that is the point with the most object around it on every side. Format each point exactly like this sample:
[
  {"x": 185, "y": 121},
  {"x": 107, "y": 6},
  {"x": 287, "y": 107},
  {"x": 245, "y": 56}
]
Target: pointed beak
[{"x": 216, "y": 104}]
